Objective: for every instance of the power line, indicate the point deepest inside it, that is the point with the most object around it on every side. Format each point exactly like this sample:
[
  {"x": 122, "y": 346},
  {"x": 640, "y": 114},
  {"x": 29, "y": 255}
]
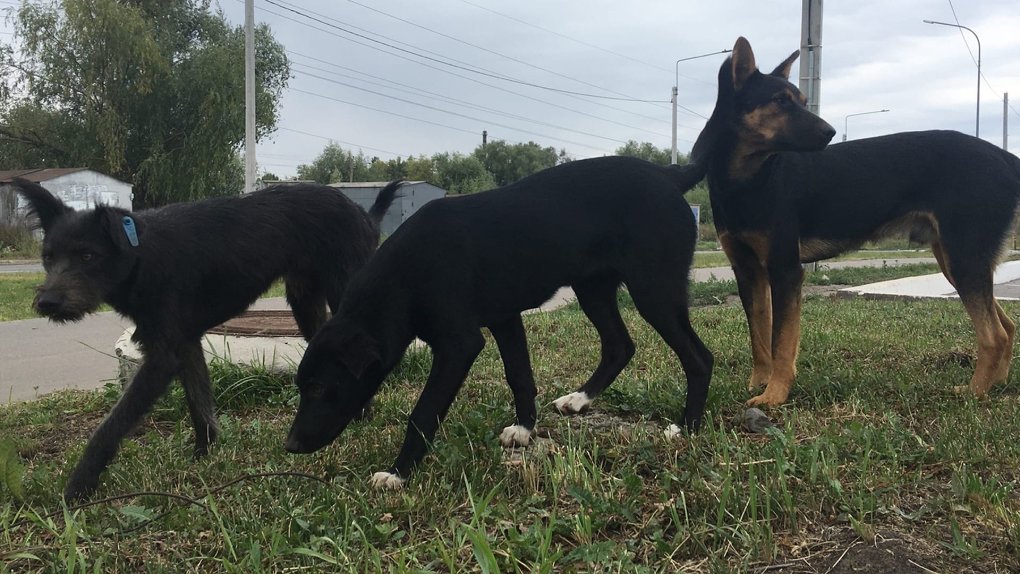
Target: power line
[
  {"x": 582, "y": 42},
  {"x": 484, "y": 49},
  {"x": 359, "y": 146},
  {"x": 973, "y": 59},
  {"x": 451, "y": 64},
  {"x": 464, "y": 102},
  {"x": 470, "y": 79},
  {"x": 485, "y": 122},
  {"x": 479, "y": 108}
]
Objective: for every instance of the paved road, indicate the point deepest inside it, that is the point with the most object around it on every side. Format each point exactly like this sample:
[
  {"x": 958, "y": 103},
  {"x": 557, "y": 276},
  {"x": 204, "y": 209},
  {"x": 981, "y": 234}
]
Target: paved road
[
  {"x": 21, "y": 268},
  {"x": 38, "y": 357}
]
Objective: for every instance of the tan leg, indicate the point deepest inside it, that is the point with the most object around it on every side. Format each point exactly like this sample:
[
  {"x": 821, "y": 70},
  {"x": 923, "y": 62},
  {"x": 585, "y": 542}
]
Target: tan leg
[
  {"x": 1002, "y": 369},
  {"x": 785, "y": 348},
  {"x": 756, "y": 297},
  {"x": 994, "y": 341}
]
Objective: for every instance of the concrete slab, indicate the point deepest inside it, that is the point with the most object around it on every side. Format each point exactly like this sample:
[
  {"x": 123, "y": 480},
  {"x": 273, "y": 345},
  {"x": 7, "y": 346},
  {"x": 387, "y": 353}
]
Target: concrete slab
[{"x": 1006, "y": 286}]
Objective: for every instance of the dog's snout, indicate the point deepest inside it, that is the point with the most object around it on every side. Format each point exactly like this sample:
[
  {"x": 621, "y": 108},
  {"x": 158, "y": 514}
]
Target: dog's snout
[
  {"x": 48, "y": 302},
  {"x": 828, "y": 132},
  {"x": 293, "y": 445}
]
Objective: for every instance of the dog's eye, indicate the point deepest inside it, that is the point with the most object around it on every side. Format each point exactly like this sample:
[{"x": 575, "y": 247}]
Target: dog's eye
[
  {"x": 87, "y": 256},
  {"x": 316, "y": 391},
  {"x": 782, "y": 101}
]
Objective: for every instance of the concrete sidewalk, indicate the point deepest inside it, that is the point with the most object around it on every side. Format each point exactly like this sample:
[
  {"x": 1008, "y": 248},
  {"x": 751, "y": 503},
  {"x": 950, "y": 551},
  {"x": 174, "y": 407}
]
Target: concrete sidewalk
[{"x": 1006, "y": 286}]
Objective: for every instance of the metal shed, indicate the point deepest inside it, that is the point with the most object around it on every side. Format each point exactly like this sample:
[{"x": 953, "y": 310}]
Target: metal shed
[
  {"x": 410, "y": 198},
  {"x": 78, "y": 187}
]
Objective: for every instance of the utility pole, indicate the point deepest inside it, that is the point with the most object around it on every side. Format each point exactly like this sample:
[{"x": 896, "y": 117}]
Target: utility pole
[
  {"x": 811, "y": 54},
  {"x": 1005, "y": 121},
  {"x": 485, "y": 137},
  {"x": 249, "y": 96}
]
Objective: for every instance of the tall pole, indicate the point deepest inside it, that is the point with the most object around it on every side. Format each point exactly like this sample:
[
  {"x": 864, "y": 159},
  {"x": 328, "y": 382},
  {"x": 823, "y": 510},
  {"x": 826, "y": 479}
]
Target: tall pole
[
  {"x": 977, "y": 119},
  {"x": 1005, "y": 121},
  {"x": 858, "y": 114},
  {"x": 249, "y": 96},
  {"x": 811, "y": 54},
  {"x": 676, "y": 82}
]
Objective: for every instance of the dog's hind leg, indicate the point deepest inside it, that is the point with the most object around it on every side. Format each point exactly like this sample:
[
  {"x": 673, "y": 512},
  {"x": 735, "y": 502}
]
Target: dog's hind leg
[
  {"x": 598, "y": 301},
  {"x": 513, "y": 348},
  {"x": 663, "y": 304},
  {"x": 198, "y": 391},
  {"x": 151, "y": 381},
  {"x": 993, "y": 328},
  {"x": 307, "y": 300}
]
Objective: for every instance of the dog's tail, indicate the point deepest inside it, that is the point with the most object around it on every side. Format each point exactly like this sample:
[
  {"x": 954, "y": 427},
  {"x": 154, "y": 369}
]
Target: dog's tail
[
  {"x": 688, "y": 175},
  {"x": 383, "y": 202}
]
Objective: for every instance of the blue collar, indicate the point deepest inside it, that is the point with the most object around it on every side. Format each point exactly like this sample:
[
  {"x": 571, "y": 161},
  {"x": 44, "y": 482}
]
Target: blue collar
[{"x": 129, "y": 229}]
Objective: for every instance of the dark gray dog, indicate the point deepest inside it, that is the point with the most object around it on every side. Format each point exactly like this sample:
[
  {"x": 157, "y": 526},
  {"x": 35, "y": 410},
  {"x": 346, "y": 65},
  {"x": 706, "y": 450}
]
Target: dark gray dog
[{"x": 182, "y": 269}]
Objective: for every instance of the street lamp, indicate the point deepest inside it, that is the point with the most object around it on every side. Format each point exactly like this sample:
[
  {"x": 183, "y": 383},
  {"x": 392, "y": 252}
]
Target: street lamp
[
  {"x": 977, "y": 121},
  {"x": 858, "y": 114},
  {"x": 676, "y": 82}
]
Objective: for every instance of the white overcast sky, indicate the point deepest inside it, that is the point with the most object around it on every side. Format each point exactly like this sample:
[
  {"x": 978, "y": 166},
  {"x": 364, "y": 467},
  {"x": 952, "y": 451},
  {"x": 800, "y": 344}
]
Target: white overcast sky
[{"x": 391, "y": 101}]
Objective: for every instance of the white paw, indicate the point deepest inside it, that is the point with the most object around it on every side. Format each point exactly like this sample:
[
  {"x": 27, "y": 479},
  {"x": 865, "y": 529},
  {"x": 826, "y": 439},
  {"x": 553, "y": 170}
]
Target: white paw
[
  {"x": 515, "y": 435},
  {"x": 387, "y": 480},
  {"x": 672, "y": 432},
  {"x": 572, "y": 404}
]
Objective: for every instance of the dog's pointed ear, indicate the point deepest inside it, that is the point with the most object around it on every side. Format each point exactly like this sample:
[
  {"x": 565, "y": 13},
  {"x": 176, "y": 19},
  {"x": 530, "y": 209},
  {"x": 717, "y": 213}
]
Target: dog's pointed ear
[
  {"x": 47, "y": 207},
  {"x": 783, "y": 69},
  {"x": 124, "y": 229},
  {"x": 358, "y": 351},
  {"x": 743, "y": 63}
]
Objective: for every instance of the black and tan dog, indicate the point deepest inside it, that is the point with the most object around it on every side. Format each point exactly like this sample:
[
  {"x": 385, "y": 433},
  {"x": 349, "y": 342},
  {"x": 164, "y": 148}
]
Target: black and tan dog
[
  {"x": 780, "y": 198},
  {"x": 460, "y": 264},
  {"x": 179, "y": 270}
]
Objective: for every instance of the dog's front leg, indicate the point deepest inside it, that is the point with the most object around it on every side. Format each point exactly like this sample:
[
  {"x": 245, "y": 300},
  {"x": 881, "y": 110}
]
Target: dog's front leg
[
  {"x": 786, "y": 281},
  {"x": 513, "y": 348},
  {"x": 451, "y": 359},
  {"x": 756, "y": 298},
  {"x": 149, "y": 384}
]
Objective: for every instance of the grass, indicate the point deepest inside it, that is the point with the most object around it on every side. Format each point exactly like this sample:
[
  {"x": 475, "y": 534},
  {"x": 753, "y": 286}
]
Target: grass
[
  {"x": 16, "y": 293},
  {"x": 18, "y": 289},
  {"x": 874, "y": 457}
]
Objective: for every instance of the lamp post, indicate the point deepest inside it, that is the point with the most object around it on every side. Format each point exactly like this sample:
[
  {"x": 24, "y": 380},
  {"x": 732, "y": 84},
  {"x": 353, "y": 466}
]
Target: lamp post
[
  {"x": 676, "y": 82},
  {"x": 858, "y": 114},
  {"x": 977, "y": 120}
]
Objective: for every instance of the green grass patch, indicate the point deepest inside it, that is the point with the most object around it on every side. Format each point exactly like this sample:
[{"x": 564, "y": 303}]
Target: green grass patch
[
  {"x": 17, "y": 290},
  {"x": 873, "y": 453}
]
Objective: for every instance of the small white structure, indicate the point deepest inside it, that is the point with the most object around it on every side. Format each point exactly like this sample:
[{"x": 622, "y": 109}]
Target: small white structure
[
  {"x": 78, "y": 187},
  {"x": 410, "y": 198}
]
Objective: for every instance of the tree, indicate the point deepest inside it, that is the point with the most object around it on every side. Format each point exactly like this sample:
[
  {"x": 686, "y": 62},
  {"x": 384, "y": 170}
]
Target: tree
[
  {"x": 334, "y": 165},
  {"x": 461, "y": 174},
  {"x": 649, "y": 152},
  {"x": 148, "y": 91},
  {"x": 509, "y": 162}
]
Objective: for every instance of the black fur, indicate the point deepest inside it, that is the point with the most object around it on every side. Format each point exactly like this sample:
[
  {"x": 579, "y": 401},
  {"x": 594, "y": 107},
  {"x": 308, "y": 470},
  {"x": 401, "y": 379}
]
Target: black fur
[
  {"x": 780, "y": 199},
  {"x": 195, "y": 266},
  {"x": 469, "y": 262}
]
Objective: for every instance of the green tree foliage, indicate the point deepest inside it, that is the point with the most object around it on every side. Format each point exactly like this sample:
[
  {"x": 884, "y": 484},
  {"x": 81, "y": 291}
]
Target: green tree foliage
[
  {"x": 462, "y": 174},
  {"x": 148, "y": 91},
  {"x": 648, "y": 152},
  {"x": 335, "y": 164},
  {"x": 509, "y": 162}
]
